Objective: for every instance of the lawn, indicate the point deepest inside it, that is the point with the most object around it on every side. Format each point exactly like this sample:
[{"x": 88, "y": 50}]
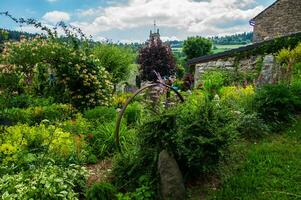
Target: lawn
[{"x": 268, "y": 169}]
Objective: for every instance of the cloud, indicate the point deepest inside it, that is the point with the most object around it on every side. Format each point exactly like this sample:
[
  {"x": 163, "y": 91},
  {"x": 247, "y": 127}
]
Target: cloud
[
  {"x": 56, "y": 16},
  {"x": 167, "y": 38},
  {"x": 203, "y": 17},
  {"x": 51, "y": 1}
]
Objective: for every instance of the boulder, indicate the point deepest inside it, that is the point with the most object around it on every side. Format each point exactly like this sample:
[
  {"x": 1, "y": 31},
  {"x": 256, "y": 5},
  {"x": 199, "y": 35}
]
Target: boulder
[{"x": 172, "y": 184}]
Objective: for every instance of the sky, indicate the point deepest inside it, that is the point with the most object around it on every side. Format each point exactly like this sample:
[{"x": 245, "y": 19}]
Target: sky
[{"x": 131, "y": 20}]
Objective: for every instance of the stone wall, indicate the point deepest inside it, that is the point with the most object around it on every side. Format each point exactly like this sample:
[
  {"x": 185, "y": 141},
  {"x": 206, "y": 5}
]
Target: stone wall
[
  {"x": 282, "y": 18},
  {"x": 268, "y": 73}
]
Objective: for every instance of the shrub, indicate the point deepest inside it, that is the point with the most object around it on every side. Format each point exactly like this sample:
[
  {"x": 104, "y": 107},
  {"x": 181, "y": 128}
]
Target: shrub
[
  {"x": 50, "y": 67},
  {"x": 77, "y": 125},
  {"x": 49, "y": 182},
  {"x": 213, "y": 81},
  {"x": 133, "y": 114},
  {"x": 238, "y": 98},
  {"x": 251, "y": 126},
  {"x": 101, "y": 191},
  {"x": 201, "y": 139},
  {"x": 275, "y": 104},
  {"x": 33, "y": 115},
  {"x": 102, "y": 139},
  {"x": 101, "y": 114},
  {"x": 196, "y": 133},
  {"x": 17, "y": 142}
]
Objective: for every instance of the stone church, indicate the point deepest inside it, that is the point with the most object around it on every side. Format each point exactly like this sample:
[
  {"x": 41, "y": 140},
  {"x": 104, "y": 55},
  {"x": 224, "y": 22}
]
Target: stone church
[{"x": 281, "y": 18}]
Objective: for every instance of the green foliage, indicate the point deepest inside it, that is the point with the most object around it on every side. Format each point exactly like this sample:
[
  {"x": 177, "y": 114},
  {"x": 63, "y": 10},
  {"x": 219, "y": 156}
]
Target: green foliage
[
  {"x": 180, "y": 71},
  {"x": 102, "y": 139},
  {"x": 101, "y": 114},
  {"x": 195, "y": 133},
  {"x": 101, "y": 191},
  {"x": 236, "y": 39},
  {"x": 213, "y": 81},
  {"x": 196, "y": 46},
  {"x": 288, "y": 58},
  {"x": 250, "y": 126},
  {"x": 50, "y": 67},
  {"x": 238, "y": 98},
  {"x": 133, "y": 114},
  {"x": 116, "y": 60},
  {"x": 49, "y": 182},
  {"x": 275, "y": 104},
  {"x": 272, "y": 46},
  {"x": 33, "y": 115},
  {"x": 77, "y": 125},
  {"x": 18, "y": 143}
]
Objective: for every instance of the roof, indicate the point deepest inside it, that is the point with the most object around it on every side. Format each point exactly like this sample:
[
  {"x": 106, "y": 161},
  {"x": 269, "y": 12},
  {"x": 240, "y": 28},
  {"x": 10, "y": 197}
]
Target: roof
[{"x": 265, "y": 10}]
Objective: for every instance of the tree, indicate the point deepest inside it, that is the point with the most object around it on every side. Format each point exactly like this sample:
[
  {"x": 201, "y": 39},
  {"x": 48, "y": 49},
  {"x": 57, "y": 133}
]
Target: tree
[
  {"x": 156, "y": 56},
  {"x": 196, "y": 46},
  {"x": 116, "y": 60}
]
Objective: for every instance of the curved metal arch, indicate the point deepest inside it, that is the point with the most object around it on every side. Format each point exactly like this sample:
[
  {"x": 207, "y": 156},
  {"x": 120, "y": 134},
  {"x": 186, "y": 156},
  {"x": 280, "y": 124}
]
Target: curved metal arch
[{"x": 128, "y": 101}]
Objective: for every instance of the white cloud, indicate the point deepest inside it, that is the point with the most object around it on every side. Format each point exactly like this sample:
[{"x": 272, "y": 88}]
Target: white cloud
[
  {"x": 56, "y": 16},
  {"x": 209, "y": 17},
  {"x": 51, "y": 1},
  {"x": 167, "y": 38}
]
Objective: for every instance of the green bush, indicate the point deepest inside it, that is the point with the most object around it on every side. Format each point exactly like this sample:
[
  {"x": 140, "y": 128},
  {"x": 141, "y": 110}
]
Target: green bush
[
  {"x": 102, "y": 139},
  {"x": 33, "y": 115},
  {"x": 49, "y": 182},
  {"x": 133, "y": 114},
  {"x": 251, "y": 126},
  {"x": 275, "y": 104},
  {"x": 238, "y": 98},
  {"x": 22, "y": 145},
  {"x": 101, "y": 191},
  {"x": 50, "y": 67},
  {"x": 101, "y": 114},
  {"x": 77, "y": 125},
  {"x": 212, "y": 81},
  {"x": 196, "y": 133}
]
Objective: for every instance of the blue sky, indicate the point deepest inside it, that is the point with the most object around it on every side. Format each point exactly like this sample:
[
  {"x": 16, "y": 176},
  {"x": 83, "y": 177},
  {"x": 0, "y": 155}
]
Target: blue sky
[{"x": 131, "y": 20}]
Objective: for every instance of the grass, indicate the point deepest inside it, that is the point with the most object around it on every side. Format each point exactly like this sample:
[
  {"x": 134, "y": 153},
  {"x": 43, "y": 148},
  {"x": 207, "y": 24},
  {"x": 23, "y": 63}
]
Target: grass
[{"x": 268, "y": 169}]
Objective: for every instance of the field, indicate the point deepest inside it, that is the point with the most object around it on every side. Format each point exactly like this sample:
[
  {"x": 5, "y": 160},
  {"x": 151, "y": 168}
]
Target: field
[
  {"x": 216, "y": 48},
  {"x": 222, "y": 48}
]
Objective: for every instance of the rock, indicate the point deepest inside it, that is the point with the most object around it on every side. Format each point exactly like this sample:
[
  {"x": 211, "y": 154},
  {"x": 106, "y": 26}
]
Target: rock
[{"x": 172, "y": 185}]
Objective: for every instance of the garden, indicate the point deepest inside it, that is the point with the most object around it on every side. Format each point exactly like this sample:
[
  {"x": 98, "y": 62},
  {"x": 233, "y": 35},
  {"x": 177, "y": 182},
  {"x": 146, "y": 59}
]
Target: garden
[{"x": 60, "y": 103}]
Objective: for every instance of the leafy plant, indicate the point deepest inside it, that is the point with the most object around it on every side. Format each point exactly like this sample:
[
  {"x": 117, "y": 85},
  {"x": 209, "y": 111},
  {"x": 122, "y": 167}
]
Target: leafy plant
[
  {"x": 238, "y": 98},
  {"x": 101, "y": 191},
  {"x": 251, "y": 126},
  {"x": 33, "y": 115},
  {"x": 49, "y": 182},
  {"x": 116, "y": 60},
  {"x": 101, "y": 114},
  {"x": 275, "y": 104},
  {"x": 20, "y": 141},
  {"x": 213, "y": 81},
  {"x": 133, "y": 114}
]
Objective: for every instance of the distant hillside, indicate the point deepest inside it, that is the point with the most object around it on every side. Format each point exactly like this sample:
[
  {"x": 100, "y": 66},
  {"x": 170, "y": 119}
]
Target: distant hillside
[
  {"x": 15, "y": 35},
  {"x": 237, "y": 39}
]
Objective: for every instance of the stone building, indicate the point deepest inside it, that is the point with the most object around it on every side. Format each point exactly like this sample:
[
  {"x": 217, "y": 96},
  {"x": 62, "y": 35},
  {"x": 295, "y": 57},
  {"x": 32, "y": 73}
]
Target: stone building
[{"x": 281, "y": 18}]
